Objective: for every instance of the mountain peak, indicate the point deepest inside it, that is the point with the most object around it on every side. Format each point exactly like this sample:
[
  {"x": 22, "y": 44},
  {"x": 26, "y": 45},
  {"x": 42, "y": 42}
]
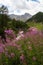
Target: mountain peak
[{"x": 21, "y": 17}]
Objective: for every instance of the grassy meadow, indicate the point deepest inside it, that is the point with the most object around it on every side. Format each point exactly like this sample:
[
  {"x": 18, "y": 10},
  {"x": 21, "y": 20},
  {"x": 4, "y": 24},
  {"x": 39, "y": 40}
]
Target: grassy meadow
[{"x": 34, "y": 24}]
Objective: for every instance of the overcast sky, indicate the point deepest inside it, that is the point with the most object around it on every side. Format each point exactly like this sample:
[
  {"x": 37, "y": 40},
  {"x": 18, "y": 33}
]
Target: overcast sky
[{"x": 23, "y": 6}]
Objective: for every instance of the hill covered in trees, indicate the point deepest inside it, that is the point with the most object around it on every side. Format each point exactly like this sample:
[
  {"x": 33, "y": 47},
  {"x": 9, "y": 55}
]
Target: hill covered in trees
[{"x": 37, "y": 17}]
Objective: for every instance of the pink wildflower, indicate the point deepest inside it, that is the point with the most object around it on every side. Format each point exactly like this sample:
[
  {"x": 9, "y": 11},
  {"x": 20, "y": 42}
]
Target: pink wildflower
[
  {"x": 12, "y": 55},
  {"x": 1, "y": 50},
  {"x": 33, "y": 30},
  {"x": 22, "y": 57},
  {"x": 21, "y": 32}
]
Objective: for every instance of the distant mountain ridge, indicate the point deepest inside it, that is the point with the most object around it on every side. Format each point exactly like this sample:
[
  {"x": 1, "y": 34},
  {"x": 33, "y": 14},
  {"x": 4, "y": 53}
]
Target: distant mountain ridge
[
  {"x": 24, "y": 17},
  {"x": 37, "y": 17}
]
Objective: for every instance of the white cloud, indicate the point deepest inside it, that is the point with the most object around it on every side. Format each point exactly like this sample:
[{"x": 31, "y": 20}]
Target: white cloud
[{"x": 23, "y": 6}]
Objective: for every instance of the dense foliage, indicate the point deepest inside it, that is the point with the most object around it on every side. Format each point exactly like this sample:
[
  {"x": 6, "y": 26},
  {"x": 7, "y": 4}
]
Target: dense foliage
[
  {"x": 17, "y": 25},
  {"x": 6, "y": 22}
]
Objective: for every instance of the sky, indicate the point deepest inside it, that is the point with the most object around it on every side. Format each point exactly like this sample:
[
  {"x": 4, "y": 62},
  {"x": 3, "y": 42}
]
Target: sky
[{"x": 20, "y": 7}]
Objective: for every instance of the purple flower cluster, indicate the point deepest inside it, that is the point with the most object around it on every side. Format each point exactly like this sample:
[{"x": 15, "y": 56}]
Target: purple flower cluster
[
  {"x": 10, "y": 33},
  {"x": 17, "y": 46}
]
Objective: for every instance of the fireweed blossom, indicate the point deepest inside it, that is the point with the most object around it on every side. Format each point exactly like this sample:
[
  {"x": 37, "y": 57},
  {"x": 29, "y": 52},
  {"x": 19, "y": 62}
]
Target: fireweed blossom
[
  {"x": 22, "y": 57},
  {"x": 12, "y": 55},
  {"x": 33, "y": 30},
  {"x": 20, "y": 35},
  {"x": 1, "y": 50},
  {"x": 41, "y": 34},
  {"x": 10, "y": 33}
]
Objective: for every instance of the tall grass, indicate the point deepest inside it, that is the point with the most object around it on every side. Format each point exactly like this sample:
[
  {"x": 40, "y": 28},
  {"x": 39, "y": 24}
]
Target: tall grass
[{"x": 34, "y": 24}]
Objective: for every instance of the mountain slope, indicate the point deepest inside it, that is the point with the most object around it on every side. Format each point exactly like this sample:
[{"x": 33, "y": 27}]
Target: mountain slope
[
  {"x": 24, "y": 17},
  {"x": 37, "y": 17}
]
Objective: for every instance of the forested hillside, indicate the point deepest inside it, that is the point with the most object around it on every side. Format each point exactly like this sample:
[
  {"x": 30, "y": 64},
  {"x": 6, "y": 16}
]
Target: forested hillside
[{"x": 37, "y": 17}]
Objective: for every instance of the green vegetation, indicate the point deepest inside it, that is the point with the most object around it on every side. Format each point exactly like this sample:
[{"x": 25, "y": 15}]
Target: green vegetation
[
  {"x": 6, "y": 22},
  {"x": 19, "y": 25},
  {"x": 27, "y": 47},
  {"x": 34, "y": 24},
  {"x": 37, "y": 17},
  {"x": 26, "y": 51}
]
